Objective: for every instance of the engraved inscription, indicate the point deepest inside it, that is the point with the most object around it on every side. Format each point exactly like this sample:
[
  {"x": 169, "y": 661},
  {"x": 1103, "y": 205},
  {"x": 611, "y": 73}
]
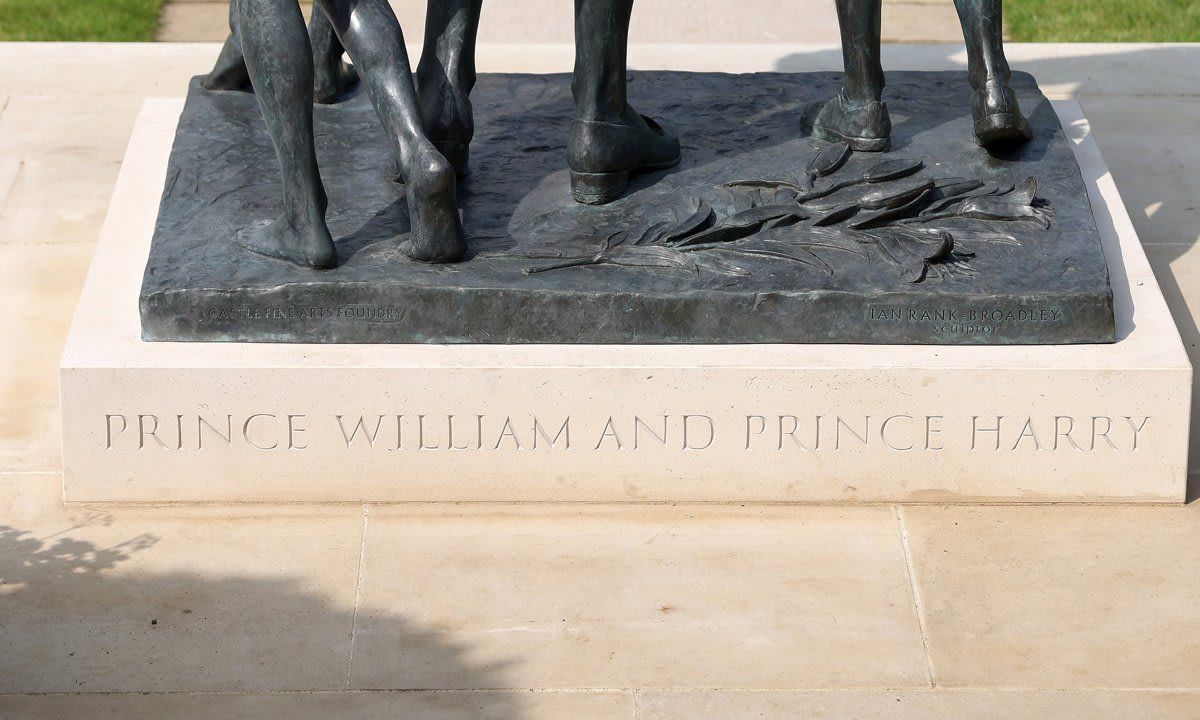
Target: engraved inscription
[
  {"x": 979, "y": 320},
  {"x": 674, "y": 433},
  {"x": 348, "y": 313}
]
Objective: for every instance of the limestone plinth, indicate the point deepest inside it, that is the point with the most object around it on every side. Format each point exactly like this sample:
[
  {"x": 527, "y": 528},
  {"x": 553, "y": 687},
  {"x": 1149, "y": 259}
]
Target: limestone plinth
[{"x": 162, "y": 421}]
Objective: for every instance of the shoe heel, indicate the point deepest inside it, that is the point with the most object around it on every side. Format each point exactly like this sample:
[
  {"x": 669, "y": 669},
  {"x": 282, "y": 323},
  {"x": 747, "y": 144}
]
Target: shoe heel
[
  {"x": 457, "y": 153},
  {"x": 1001, "y": 127},
  {"x": 598, "y": 188}
]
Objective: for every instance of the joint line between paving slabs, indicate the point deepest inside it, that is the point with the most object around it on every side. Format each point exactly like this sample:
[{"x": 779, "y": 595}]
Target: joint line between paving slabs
[
  {"x": 911, "y": 572},
  {"x": 362, "y": 556}
]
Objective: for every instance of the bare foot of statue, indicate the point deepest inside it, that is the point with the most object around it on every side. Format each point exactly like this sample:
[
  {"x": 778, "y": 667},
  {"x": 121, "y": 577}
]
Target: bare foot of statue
[
  {"x": 436, "y": 234},
  {"x": 304, "y": 243}
]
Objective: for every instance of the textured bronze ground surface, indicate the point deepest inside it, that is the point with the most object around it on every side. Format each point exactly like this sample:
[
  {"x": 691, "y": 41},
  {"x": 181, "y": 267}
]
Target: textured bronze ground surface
[{"x": 1046, "y": 287}]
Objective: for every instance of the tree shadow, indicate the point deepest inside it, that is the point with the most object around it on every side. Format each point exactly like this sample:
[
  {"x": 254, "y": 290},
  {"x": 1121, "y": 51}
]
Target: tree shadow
[{"x": 77, "y": 617}]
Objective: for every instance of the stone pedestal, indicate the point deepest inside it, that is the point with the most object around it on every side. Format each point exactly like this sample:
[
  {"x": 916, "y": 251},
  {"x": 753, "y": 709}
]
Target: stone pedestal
[{"x": 174, "y": 421}]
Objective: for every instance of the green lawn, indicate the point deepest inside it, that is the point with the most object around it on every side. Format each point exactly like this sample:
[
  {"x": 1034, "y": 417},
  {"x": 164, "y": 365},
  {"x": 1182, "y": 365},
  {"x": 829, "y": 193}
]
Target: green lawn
[
  {"x": 1103, "y": 20},
  {"x": 79, "y": 20}
]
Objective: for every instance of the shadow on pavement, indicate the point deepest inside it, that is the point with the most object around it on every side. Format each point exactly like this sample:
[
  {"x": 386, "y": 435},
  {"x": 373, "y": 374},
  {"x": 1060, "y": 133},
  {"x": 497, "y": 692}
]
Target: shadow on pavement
[{"x": 78, "y": 618}]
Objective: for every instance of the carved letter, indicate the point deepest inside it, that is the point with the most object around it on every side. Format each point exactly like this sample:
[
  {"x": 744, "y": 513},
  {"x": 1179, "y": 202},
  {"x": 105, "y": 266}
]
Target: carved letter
[
  {"x": 246, "y": 432},
  {"x": 201, "y": 422},
  {"x": 610, "y": 431},
  {"x": 1107, "y": 428},
  {"x": 1137, "y": 429},
  {"x": 837, "y": 438},
  {"x": 637, "y": 435},
  {"x": 930, "y": 431},
  {"x": 450, "y": 435},
  {"x": 975, "y": 430},
  {"x": 294, "y": 430},
  {"x": 421, "y": 435},
  {"x": 883, "y": 433},
  {"x": 564, "y": 432},
  {"x": 152, "y": 432},
  {"x": 792, "y": 433},
  {"x": 108, "y": 429},
  {"x": 762, "y": 427},
  {"x": 509, "y": 432},
  {"x": 1059, "y": 432},
  {"x": 712, "y": 432},
  {"x": 1027, "y": 432},
  {"x": 361, "y": 424}
]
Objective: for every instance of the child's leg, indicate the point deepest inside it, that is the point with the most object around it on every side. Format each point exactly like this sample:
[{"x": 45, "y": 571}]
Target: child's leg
[
  {"x": 279, "y": 61},
  {"x": 983, "y": 31},
  {"x": 860, "y": 23},
  {"x": 371, "y": 35},
  {"x": 609, "y": 139},
  {"x": 994, "y": 106},
  {"x": 333, "y": 76},
  {"x": 857, "y": 115},
  {"x": 230, "y": 71},
  {"x": 446, "y": 76}
]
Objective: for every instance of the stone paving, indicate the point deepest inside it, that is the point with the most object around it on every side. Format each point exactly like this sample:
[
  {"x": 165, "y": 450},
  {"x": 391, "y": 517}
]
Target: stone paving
[
  {"x": 655, "y": 21},
  {"x": 548, "y": 611}
]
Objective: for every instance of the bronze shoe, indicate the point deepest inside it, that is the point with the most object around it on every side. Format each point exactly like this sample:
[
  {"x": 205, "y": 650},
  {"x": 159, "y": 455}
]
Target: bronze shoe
[
  {"x": 603, "y": 155},
  {"x": 865, "y": 127},
  {"x": 997, "y": 114}
]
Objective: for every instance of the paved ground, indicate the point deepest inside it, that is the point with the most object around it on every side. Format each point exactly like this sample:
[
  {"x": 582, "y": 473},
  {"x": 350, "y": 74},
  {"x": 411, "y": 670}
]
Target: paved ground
[
  {"x": 655, "y": 21},
  {"x": 508, "y": 613}
]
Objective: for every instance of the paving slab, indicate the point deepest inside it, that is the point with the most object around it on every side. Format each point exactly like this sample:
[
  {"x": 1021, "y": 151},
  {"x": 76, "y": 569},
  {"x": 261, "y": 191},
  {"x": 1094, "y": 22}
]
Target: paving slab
[
  {"x": 199, "y": 20},
  {"x": 10, "y": 164},
  {"x": 1156, "y": 170},
  {"x": 67, "y": 150},
  {"x": 921, "y": 705},
  {"x": 1065, "y": 70},
  {"x": 39, "y": 287},
  {"x": 1061, "y": 597},
  {"x": 193, "y": 21},
  {"x": 1177, "y": 268},
  {"x": 144, "y": 600},
  {"x": 905, "y": 21},
  {"x": 636, "y": 597},
  {"x": 551, "y": 21},
  {"x": 487, "y": 705}
]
